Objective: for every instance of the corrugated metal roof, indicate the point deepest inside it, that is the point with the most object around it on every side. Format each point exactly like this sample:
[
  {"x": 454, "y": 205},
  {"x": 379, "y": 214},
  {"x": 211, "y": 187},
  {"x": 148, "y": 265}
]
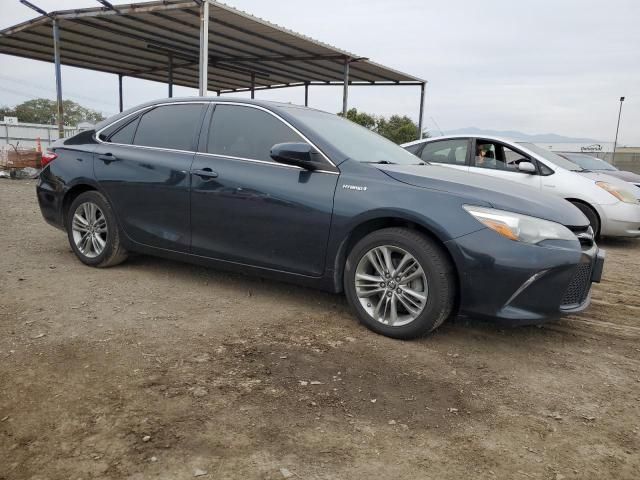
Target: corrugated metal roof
[{"x": 137, "y": 40}]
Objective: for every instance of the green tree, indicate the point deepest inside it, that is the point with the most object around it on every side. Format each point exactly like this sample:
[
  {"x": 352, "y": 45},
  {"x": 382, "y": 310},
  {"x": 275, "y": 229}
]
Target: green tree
[
  {"x": 45, "y": 111},
  {"x": 398, "y": 129},
  {"x": 7, "y": 112},
  {"x": 361, "y": 118}
]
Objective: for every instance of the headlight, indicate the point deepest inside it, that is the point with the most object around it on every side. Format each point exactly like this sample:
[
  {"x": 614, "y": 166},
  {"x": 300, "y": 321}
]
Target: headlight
[
  {"x": 518, "y": 227},
  {"x": 618, "y": 192}
]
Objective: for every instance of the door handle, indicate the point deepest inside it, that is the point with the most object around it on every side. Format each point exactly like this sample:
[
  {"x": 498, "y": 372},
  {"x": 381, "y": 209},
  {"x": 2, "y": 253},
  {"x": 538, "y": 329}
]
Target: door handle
[
  {"x": 108, "y": 157},
  {"x": 205, "y": 173}
]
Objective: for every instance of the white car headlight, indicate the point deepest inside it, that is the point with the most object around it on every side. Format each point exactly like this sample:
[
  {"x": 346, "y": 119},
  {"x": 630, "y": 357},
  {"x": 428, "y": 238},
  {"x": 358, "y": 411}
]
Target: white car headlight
[
  {"x": 522, "y": 228},
  {"x": 618, "y": 192}
]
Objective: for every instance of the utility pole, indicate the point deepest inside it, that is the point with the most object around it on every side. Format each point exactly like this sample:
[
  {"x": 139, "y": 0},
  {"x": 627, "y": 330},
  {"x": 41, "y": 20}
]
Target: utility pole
[{"x": 615, "y": 142}]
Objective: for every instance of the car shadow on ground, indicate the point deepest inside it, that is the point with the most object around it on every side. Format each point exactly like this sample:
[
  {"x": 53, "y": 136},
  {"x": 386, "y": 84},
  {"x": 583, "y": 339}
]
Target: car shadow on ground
[
  {"x": 617, "y": 242},
  {"x": 457, "y": 326}
]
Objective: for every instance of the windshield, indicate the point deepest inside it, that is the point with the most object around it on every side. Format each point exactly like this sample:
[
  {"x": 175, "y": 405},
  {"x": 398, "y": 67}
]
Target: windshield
[
  {"x": 356, "y": 142},
  {"x": 588, "y": 162},
  {"x": 552, "y": 157}
]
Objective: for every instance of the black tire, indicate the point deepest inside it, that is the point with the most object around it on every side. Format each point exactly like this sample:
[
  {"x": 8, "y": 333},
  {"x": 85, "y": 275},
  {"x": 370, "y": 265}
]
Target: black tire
[
  {"x": 113, "y": 252},
  {"x": 439, "y": 274},
  {"x": 591, "y": 215}
]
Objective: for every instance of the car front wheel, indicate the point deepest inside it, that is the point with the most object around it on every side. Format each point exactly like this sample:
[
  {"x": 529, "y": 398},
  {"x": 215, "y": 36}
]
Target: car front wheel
[{"x": 400, "y": 283}]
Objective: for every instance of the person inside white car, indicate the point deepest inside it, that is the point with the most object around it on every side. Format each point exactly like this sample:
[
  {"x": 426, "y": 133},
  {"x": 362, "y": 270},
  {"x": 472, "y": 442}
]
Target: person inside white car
[{"x": 485, "y": 157}]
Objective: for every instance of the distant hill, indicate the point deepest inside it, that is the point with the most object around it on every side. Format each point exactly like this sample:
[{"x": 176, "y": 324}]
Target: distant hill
[{"x": 515, "y": 135}]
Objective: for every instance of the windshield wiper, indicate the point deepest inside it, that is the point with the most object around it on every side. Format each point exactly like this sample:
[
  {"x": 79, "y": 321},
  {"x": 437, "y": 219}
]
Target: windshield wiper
[{"x": 382, "y": 162}]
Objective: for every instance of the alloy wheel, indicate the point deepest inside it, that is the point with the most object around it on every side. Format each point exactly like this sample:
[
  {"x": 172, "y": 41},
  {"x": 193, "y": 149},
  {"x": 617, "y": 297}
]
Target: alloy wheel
[
  {"x": 391, "y": 285},
  {"x": 89, "y": 228}
]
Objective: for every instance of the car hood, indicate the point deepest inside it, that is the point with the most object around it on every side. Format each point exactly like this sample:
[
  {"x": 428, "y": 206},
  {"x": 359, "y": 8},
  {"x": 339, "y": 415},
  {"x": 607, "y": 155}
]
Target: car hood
[
  {"x": 623, "y": 175},
  {"x": 626, "y": 176},
  {"x": 500, "y": 194},
  {"x": 598, "y": 176}
]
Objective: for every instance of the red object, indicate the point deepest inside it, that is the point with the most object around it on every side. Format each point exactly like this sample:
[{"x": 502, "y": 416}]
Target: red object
[{"x": 47, "y": 158}]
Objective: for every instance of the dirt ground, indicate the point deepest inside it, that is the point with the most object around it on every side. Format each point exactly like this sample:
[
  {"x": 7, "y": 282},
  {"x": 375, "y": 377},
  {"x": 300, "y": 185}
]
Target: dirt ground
[{"x": 162, "y": 370}]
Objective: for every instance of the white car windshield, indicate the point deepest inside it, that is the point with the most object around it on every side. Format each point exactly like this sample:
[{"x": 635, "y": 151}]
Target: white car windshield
[{"x": 552, "y": 157}]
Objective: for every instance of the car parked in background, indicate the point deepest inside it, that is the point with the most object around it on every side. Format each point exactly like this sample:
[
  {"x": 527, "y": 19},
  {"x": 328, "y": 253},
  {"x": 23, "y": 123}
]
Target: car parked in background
[
  {"x": 612, "y": 207},
  {"x": 312, "y": 198},
  {"x": 594, "y": 164}
]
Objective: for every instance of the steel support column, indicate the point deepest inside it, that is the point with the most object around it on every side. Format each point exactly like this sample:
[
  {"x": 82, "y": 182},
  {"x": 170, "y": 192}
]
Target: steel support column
[
  {"x": 204, "y": 47},
  {"x": 56, "y": 58},
  {"x": 306, "y": 94},
  {"x": 170, "y": 76},
  {"x": 253, "y": 85},
  {"x": 345, "y": 88},
  {"x": 421, "y": 114},
  {"x": 120, "y": 91}
]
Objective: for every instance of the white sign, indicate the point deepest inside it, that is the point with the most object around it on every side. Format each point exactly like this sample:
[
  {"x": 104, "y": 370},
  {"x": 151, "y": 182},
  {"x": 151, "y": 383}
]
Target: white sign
[
  {"x": 591, "y": 148},
  {"x": 11, "y": 120}
]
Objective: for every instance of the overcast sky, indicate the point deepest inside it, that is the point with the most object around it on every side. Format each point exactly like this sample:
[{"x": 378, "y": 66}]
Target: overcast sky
[{"x": 537, "y": 66}]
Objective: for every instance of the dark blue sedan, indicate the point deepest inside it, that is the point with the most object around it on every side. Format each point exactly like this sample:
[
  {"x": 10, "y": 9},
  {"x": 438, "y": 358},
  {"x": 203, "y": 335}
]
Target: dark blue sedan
[{"x": 304, "y": 196}]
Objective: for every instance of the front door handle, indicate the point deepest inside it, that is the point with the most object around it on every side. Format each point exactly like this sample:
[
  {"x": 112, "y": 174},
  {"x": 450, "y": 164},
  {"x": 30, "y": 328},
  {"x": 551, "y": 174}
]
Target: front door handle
[
  {"x": 205, "y": 173},
  {"x": 108, "y": 157}
]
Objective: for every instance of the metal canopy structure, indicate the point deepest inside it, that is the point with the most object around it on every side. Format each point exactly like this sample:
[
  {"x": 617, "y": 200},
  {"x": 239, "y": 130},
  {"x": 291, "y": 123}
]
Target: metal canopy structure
[{"x": 192, "y": 43}]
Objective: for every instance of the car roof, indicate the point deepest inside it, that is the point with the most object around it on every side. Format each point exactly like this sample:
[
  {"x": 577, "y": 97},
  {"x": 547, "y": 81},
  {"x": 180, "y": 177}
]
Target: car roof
[
  {"x": 268, "y": 104},
  {"x": 460, "y": 135}
]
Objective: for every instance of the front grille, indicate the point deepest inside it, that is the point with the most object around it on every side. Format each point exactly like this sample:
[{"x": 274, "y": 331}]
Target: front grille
[
  {"x": 585, "y": 236},
  {"x": 578, "y": 288}
]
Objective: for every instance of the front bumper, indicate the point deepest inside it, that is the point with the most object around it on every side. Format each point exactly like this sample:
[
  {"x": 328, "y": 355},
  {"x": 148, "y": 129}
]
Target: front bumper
[
  {"x": 620, "y": 219},
  {"x": 518, "y": 283}
]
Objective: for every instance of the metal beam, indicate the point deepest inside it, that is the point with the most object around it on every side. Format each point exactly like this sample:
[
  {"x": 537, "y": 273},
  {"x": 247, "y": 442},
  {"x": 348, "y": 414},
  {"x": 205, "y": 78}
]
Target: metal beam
[
  {"x": 34, "y": 7},
  {"x": 72, "y": 52},
  {"x": 56, "y": 60},
  {"x": 345, "y": 87},
  {"x": 231, "y": 38},
  {"x": 421, "y": 113},
  {"x": 120, "y": 91},
  {"x": 253, "y": 85},
  {"x": 161, "y": 42},
  {"x": 122, "y": 10},
  {"x": 170, "y": 76},
  {"x": 306, "y": 94},
  {"x": 204, "y": 48},
  {"x": 324, "y": 84}
]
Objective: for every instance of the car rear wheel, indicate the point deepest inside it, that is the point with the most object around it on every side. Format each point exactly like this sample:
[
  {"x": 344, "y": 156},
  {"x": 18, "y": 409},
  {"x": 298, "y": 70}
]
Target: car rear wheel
[
  {"x": 93, "y": 232},
  {"x": 591, "y": 215},
  {"x": 400, "y": 283}
]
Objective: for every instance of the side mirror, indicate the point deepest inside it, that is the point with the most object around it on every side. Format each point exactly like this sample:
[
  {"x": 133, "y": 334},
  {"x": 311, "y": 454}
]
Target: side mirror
[
  {"x": 299, "y": 154},
  {"x": 526, "y": 167}
]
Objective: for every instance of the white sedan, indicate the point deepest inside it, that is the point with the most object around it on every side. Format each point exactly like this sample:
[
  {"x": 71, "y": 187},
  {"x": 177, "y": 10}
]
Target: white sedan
[{"x": 611, "y": 205}]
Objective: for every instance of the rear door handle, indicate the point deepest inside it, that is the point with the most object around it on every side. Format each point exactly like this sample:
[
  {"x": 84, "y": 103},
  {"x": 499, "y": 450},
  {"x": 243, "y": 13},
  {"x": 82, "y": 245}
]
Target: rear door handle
[
  {"x": 205, "y": 173},
  {"x": 108, "y": 157}
]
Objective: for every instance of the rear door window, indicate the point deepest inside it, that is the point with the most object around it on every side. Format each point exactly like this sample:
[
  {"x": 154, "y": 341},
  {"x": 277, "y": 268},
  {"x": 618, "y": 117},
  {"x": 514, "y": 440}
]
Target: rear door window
[
  {"x": 247, "y": 132},
  {"x": 453, "y": 152},
  {"x": 170, "y": 126}
]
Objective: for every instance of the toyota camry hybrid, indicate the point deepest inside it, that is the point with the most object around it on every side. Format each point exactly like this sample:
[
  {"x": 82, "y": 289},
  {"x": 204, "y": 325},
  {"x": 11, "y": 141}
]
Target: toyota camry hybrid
[{"x": 305, "y": 196}]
